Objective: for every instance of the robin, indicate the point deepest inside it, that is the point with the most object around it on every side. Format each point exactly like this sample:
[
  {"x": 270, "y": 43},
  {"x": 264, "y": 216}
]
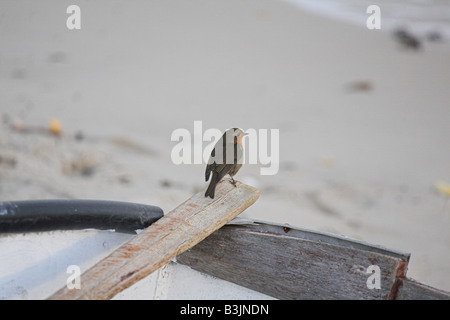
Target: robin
[{"x": 225, "y": 158}]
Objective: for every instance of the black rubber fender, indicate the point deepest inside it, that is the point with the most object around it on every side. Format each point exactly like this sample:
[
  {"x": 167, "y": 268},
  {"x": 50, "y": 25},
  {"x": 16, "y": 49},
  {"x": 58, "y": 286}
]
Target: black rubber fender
[{"x": 48, "y": 215}]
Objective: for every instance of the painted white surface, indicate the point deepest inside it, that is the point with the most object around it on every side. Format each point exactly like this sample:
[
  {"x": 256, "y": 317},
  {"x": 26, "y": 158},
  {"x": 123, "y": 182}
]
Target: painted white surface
[{"x": 34, "y": 265}]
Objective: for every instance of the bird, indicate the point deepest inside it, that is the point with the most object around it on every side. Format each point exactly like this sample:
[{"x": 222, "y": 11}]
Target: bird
[{"x": 226, "y": 158}]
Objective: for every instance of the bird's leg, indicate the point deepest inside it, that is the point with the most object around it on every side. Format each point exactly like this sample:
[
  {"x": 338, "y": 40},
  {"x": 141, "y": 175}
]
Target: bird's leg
[{"x": 233, "y": 182}]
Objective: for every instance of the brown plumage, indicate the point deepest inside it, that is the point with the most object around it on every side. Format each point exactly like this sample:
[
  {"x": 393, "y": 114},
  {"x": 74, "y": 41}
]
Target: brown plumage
[{"x": 220, "y": 163}]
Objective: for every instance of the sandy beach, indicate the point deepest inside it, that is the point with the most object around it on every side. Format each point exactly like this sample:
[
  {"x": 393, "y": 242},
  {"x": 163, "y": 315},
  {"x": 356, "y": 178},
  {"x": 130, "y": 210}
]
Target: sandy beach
[{"x": 363, "y": 121}]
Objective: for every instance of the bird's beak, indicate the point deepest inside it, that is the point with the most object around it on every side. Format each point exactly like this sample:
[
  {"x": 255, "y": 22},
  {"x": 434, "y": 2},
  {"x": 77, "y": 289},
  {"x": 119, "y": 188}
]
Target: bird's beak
[{"x": 245, "y": 134}]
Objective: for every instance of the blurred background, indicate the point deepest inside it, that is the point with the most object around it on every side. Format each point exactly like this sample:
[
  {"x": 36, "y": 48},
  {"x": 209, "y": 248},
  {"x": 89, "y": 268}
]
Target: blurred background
[{"x": 364, "y": 115}]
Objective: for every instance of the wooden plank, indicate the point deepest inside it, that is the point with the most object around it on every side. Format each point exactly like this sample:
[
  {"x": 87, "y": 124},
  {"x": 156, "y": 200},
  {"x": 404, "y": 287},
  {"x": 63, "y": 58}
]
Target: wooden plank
[
  {"x": 410, "y": 289},
  {"x": 180, "y": 229},
  {"x": 293, "y": 263}
]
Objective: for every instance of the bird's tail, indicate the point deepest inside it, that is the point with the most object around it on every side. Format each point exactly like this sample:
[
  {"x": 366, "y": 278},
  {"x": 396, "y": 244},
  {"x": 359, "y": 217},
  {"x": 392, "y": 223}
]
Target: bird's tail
[{"x": 212, "y": 187}]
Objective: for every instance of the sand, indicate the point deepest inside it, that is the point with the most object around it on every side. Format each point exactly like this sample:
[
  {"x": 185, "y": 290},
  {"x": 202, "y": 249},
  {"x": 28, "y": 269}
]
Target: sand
[{"x": 364, "y": 123}]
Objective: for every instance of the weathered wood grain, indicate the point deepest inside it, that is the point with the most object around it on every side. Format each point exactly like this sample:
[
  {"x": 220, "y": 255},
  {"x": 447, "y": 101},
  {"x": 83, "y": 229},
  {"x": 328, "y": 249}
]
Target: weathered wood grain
[
  {"x": 292, "y": 263},
  {"x": 412, "y": 290},
  {"x": 180, "y": 229}
]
